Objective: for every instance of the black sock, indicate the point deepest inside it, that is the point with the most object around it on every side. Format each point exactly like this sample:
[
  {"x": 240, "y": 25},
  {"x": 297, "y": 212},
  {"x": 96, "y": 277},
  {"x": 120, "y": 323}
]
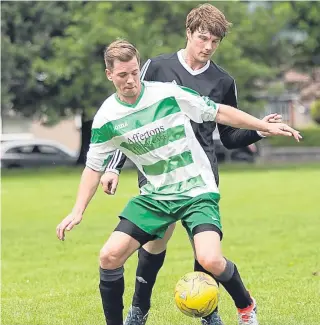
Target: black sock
[
  {"x": 231, "y": 281},
  {"x": 198, "y": 268},
  {"x": 112, "y": 302},
  {"x": 147, "y": 270}
]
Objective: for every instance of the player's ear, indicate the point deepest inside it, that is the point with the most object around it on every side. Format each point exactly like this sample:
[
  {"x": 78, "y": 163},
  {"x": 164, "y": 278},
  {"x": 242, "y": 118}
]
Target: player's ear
[
  {"x": 188, "y": 33},
  {"x": 108, "y": 74}
]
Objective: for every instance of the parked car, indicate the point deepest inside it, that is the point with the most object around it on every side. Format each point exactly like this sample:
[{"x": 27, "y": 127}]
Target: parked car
[
  {"x": 35, "y": 153},
  {"x": 245, "y": 154}
]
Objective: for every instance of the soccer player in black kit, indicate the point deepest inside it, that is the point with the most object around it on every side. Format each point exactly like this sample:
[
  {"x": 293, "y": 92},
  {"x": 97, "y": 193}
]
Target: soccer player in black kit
[{"x": 191, "y": 67}]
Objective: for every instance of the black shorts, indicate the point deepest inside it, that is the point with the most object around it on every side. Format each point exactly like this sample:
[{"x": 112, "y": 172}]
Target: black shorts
[
  {"x": 207, "y": 227},
  {"x": 129, "y": 228}
]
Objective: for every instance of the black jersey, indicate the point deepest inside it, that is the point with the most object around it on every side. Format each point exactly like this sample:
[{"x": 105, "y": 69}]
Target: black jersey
[{"x": 211, "y": 81}]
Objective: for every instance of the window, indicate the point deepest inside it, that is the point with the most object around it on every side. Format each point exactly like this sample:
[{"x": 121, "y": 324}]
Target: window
[
  {"x": 21, "y": 150},
  {"x": 49, "y": 150}
]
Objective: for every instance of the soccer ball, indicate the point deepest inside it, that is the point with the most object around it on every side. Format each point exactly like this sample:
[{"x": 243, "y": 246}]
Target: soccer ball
[{"x": 196, "y": 294}]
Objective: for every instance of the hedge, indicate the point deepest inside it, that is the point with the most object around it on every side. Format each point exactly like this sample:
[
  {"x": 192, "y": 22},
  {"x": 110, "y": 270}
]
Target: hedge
[
  {"x": 311, "y": 138},
  {"x": 315, "y": 111}
]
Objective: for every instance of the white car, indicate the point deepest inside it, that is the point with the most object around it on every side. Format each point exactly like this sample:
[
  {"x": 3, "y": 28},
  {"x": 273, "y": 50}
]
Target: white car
[{"x": 35, "y": 153}]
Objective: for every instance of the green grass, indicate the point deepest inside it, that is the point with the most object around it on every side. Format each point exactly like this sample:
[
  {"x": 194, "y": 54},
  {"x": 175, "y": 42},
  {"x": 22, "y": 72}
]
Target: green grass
[{"x": 271, "y": 225}]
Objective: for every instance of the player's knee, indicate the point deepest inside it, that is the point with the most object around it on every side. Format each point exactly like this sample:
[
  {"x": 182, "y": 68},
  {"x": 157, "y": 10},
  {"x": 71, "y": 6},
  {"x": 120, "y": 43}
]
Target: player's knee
[
  {"x": 110, "y": 259},
  {"x": 159, "y": 245},
  {"x": 212, "y": 263},
  {"x": 169, "y": 232},
  {"x": 156, "y": 246},
  {"x": 171, "y": 228}
]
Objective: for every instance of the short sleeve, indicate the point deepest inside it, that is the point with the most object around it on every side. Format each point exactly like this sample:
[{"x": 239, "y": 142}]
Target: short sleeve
[{"x": 197, "y": 108}]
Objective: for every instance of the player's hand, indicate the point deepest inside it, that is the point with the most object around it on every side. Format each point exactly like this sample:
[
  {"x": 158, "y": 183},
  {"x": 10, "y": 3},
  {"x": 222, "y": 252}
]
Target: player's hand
[
  {"x": 109, "y": 182},
  {"x": 283, "y": 129},
  {"x": 271, "y": 118},
  {"x": 67, "y": 224}
]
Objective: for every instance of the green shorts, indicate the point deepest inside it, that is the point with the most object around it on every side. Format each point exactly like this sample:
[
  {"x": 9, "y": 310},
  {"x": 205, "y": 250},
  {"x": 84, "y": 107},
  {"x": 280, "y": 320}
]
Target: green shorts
[{"x": 154, "y": 216}]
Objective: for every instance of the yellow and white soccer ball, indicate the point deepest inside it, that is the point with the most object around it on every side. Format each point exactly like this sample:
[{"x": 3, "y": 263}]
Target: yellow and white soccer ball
[{"x": 196, "y": 294}]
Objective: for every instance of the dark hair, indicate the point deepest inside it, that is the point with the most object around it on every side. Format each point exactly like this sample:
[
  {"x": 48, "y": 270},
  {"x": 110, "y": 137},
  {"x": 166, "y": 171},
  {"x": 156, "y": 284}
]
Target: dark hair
[{"x": 207, "y": 17}]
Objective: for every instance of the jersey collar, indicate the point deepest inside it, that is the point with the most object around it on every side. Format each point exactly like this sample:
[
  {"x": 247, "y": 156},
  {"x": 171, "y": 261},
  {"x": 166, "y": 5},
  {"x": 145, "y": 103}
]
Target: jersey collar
[
  {"x": 136, "y": 102},
  {"x": 186, "y": 66}
]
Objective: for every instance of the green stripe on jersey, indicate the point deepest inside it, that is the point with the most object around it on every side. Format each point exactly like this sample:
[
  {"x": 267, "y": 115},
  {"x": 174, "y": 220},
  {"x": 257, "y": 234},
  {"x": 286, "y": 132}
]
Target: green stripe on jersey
[
  {"x": 210, "y": 103},
  {"x": 107, "y": 160},
  {"x": 133, "y": 121},
  {"x": 207, "y": 100},
  {"x": 155, "y": 141},
  {"x": 170, "y": 164},
  {"x": 189, "y": 90},
  {"x": 176, "y": 188}
]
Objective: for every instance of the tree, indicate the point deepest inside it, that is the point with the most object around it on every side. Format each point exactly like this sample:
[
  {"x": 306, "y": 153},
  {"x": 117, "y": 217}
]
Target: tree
[
  {"x": 53, "y": 51},
  {"x": 27, "y": 31},
  {"x": 305, "y": 22},
  {"x": 78, "y": 61}
]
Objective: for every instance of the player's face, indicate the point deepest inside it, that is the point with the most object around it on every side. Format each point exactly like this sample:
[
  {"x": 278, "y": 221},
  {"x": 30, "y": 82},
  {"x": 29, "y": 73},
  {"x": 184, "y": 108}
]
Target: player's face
[
  {"x": 202, "y": 45},
  {"x": 126, "y": 78}
]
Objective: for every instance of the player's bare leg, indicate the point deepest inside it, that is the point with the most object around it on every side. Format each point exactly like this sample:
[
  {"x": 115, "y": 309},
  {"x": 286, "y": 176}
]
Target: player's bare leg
[
  {"x": 214, "y": 318},
  {"x": 209, "y": 255},
  {"x": 112, "y": 258}
]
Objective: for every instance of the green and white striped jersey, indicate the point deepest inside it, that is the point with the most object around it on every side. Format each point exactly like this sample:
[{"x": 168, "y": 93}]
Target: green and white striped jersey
[{"x": 156, "y": 134}]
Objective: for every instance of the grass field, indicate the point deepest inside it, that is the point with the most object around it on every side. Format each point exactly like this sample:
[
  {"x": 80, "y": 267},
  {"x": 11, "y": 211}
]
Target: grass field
[{"x": 271, "y": 221}]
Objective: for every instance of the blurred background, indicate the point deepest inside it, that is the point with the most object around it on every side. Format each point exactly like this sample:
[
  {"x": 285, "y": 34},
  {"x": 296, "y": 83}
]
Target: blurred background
[{"x": 53, "y": 80}]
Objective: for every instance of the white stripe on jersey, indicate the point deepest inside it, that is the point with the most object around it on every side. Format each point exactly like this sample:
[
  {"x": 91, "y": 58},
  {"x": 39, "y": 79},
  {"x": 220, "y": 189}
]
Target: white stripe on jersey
[
  {"x": 144, "y": 69},
  {"x": 115, "y": 160},
  {"x": 235, "y": 90},
  {"x": 112, "y": 160}
]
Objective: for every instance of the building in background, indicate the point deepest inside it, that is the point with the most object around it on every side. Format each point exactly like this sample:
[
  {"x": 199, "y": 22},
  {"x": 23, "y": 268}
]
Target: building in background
[{"x": 66, "y": 132}]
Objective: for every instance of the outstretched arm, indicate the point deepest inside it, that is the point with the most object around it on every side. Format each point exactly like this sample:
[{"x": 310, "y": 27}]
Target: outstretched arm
[
  {"x": 202, "y": 109},
  {"x": 233, "y": 138},
  {"x": 231, "y": 116}
]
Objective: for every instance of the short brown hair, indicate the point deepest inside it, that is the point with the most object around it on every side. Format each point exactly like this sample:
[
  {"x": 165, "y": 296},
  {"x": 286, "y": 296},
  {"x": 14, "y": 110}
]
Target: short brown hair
[
  {"x": 120, "y": 50},
  {"x": 207, "y": 17}
]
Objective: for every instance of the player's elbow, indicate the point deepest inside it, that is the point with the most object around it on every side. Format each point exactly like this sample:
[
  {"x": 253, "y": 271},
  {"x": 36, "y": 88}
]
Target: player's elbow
[
  {"x": 228, "y": 144},
  {"x": 225, "y": 115}
]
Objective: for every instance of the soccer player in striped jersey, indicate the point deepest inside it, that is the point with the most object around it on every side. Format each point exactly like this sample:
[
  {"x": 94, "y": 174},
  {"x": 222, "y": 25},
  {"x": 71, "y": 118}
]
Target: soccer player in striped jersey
[
  {"x": 191, "y": 67},
  {"x": 150, "y": 122}
]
